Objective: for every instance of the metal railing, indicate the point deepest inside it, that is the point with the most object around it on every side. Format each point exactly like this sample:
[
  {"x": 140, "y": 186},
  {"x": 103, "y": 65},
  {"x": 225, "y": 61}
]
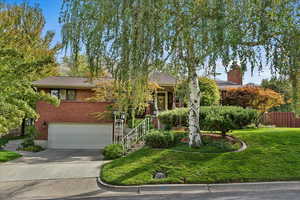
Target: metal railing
[{"x": 136, "y": 134}]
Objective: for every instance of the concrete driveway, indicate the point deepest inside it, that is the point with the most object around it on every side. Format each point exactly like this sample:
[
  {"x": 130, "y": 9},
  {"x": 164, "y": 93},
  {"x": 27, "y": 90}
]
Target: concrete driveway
[{"x": 53, "y": 164}]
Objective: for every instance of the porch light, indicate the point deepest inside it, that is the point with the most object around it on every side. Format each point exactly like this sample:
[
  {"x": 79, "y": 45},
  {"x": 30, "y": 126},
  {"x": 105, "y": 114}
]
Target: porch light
[
  {"x": 122, "y": 116},
  {"x": 44, "y": 124}
]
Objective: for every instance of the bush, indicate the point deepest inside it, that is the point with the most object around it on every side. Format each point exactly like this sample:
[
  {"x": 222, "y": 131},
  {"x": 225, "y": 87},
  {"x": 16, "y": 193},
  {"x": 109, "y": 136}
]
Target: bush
[
  {"x": 253, "y": 97},
  {"x": 33, "y": 148},
  {"x": 28, "y": 141},
  {"x": 228, "y": 118},
  {"x": 159, "y": 139},
  {"x": 210, "y": 94},
  {"x": 175, "y": 117},
  {"x": 3, "y": 142},
  {"x": 30, "y": 133},
  {"x": 213, "y": 118},
  {"x": 113, "y": 151},
  {"x": 178, "y": 136}
]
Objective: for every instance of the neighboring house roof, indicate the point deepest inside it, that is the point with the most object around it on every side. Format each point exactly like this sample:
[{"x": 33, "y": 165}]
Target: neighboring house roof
[
  {"x": 227, "y": 84},
  {"x": 162, "y": 79}
]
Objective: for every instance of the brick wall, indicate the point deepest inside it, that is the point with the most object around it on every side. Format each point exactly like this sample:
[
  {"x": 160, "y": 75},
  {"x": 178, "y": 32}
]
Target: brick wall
[
  {"x": 82, "y": 94},
  {"x": 281, "y": 119},
  {"x": 68, "y": 111}
]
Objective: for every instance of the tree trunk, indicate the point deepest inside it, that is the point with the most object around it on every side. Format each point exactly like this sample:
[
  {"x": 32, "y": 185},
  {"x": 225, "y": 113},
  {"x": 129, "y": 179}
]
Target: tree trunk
[
  {"x": 23, "y": 127},
  {"x": 194, "y": 109},
  {"x": 156, "y": 109}
]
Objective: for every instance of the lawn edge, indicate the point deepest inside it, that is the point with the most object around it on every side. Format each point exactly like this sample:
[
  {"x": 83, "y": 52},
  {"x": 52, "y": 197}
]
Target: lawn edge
[
  {"x": 212, "y": 187},
  {"x": 172, "y": 186}
]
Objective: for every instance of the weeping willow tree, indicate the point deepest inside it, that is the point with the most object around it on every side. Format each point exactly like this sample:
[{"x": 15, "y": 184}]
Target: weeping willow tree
[
  {"x": 287, "y": 58},
  {"x": 193, "y": 34}
]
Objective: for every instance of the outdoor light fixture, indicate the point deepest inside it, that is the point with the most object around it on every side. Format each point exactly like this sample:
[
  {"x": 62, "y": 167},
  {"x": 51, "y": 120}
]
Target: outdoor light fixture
[
  {"x": 122, "y": 116},
  {"x": 44, "y": 124}
]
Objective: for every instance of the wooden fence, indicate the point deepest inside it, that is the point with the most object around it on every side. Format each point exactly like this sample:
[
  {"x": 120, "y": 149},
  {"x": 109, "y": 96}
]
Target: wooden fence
[{"x": 281, "y": 119}]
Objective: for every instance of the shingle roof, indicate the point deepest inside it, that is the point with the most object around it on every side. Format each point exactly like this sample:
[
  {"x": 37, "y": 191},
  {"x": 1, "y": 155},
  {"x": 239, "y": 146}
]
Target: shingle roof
[
  {"x": 227, "y": 84},
  {"x": 162, "y": 78},
  {"x": 67, "y": 82}
]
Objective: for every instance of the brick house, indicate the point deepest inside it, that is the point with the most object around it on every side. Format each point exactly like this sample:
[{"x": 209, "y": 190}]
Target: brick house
[{"x": 71, "y": 125}]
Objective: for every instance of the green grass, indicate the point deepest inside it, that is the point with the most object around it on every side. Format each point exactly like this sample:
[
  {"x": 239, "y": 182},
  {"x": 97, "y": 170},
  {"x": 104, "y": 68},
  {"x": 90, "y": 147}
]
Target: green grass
[
  {"x": 273, "y": 154},
  {"x": 9, "y": 155},
  {"x": 206, "y": 148}
]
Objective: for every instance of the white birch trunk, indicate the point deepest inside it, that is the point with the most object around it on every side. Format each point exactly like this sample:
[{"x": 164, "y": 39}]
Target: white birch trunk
[
  {"x": 194, "y": 109},
  {"x": 156, "y": 109}
]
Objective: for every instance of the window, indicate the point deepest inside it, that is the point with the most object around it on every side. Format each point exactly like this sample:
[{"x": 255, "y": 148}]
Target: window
[
  {"x": 63, "y": 94},
  {"x": 55, "y": 93},
  {"x": 71, "y": 94}
]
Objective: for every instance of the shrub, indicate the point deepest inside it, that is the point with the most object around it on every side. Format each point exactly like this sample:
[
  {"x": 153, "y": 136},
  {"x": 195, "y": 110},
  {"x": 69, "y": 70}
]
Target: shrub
[
  {"x": 27, "y": 142},
  {"x": 32, "y": 148},
  {"x": 175, "y": 117},
  {"x": 213, "y": 118},
  {"x": 178, "y": 136},
  {"x": 227, "y": 118},
  {"x": 30, "y": 133},
  {"x": 252, "y": 97},
  {"x": 3, "y": 142},
  {"x": 210, "y": 94},
  {"x": 159, "y": 139},
  {"x": 113, "y": 151}
]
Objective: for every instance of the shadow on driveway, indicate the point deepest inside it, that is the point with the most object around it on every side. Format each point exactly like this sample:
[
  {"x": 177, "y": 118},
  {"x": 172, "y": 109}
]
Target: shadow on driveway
[{"x": 59, "y": 155}]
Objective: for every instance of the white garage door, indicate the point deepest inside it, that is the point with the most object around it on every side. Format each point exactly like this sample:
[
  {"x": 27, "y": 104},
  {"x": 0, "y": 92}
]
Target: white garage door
[{"x": 79, "y": 136}]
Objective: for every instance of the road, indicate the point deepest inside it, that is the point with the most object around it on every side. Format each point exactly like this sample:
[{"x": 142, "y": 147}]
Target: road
[
  {"x": 266, "y": 195},
  {"x": 87, "y": 189}
]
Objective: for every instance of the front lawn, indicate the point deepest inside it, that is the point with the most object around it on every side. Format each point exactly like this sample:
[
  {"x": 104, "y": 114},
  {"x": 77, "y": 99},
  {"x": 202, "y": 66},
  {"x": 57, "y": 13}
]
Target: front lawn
[
  {"x": 273, "y": 154},
  {"x": 8, "y": 155}
]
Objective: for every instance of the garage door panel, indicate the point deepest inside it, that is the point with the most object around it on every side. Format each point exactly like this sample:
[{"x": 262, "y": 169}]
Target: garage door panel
[{"x": 79, "y": 136}]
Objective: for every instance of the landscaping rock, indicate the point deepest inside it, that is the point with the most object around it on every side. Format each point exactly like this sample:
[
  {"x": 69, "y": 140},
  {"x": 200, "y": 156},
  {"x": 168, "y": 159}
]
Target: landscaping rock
[{"x": 160, "y": 175}]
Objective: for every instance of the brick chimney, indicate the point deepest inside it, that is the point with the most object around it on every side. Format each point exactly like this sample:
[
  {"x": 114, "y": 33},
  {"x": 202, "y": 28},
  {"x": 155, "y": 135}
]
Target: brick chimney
[{"x": 235, "y": 75}]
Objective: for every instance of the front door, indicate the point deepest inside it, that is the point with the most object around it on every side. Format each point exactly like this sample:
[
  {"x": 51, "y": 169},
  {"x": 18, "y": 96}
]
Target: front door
[{"x": 162, "y": 101}]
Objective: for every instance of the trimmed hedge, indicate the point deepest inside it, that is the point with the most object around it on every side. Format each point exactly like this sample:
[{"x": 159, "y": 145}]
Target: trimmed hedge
[
  {"x": 212, "y": 118},
  {"x": 159, "y": 139},
  {"x": 113, "y": 151}
]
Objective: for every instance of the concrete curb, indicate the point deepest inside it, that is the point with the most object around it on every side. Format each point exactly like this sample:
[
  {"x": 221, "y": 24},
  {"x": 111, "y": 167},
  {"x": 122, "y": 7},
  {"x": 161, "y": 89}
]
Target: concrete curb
[
  {"x": 227, "y": 187},
  {"x": 154, "y": 188},
  {"x": 243, "y": 145}
]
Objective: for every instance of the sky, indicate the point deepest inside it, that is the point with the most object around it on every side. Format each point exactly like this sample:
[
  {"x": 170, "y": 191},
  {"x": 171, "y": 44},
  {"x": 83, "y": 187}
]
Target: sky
[{"x": 51, "y": 9}]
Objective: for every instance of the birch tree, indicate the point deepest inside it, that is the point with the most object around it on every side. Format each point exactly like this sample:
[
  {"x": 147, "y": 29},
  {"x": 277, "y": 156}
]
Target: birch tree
[{"x": 192, "y": 34}]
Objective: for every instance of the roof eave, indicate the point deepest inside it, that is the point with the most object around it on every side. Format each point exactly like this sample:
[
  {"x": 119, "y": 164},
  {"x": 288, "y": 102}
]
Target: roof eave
[{"x": 62, "y": 86}]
